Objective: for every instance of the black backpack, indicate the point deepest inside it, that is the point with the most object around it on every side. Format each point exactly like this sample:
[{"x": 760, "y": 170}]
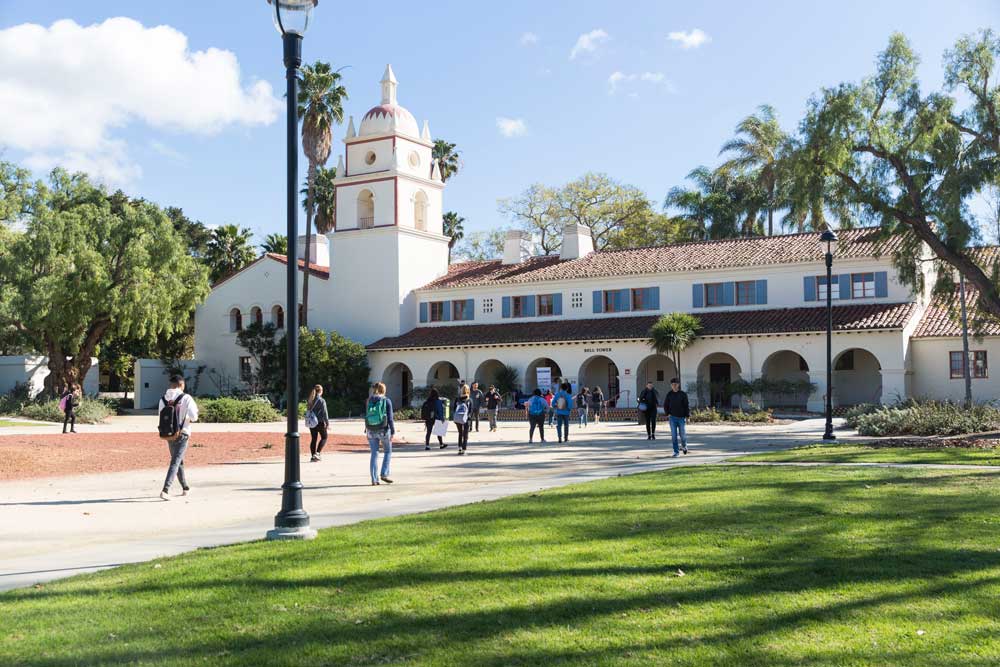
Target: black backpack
[
  {"x": 427, "y": 411},
  {"x": 169, "y": 426}
]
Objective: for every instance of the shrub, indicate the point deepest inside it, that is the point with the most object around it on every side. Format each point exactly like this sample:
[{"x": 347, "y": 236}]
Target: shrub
[
  {"x": 705, "y": 415},
  {"x": 235, "y": 411},
  {"x": 13, "y": 401},
  {"x": 852, "y": 415},
  {"x": 89, "y": 411},
  {"x": 928, "y": 418},
  {"x": 742, "y": 417},
  {"x": 407, "y": 413}
]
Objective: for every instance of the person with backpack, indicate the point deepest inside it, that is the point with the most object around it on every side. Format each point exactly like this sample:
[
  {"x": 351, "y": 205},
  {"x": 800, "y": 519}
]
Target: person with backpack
[
  {"x": 536, "y": 407},
  {"x": 649, "y": 409},
  {"x": 549, "y": 413},
  {"x": 582, "y": 405},
  {"x": 317, "y": 421},
  {"x": 678, "y": 409},
  {"x": 177, "y": 411},
  {"x": 432, "y": 412},
  {"x": 596, "y": 403},
  {"x": 379, "y": 427},
  {"x": 477, "y": 398},
  {"x": 562, "y": 405},
  {"x": 493, "y": 400},
  {"x": 69, "y": 402},
  {"x": 463, "y": 418}
]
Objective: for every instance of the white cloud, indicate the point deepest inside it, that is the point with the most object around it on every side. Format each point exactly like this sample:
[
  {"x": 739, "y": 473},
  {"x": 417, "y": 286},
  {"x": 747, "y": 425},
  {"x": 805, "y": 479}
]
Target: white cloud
[
  {"x": 529, "y": 39},
  {"x": 691, "y": 39},
  {"x": 617, "y": 78},
  {"x": 67, "y": 88},
  {"x": 166, "y": 151},
  {"x": 511, "y": 127},
  {"x": 588, "y": 42}
]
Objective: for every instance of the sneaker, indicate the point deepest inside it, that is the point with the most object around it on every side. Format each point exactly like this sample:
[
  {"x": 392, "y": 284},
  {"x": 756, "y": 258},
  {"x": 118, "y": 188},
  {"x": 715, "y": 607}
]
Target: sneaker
[
  {"x": 676, "y": 454},
  {"x": 313, "y": 458},
  {"x": 461, "y": 452},
  {"x": 385, "y": 479},
  {"x": 186, "y": 491},
  {"x": 427, "y": 448},
  {"x": 374, "y": 483},
  {"x": 164, "y": 496},
  {"x": 685, "y": 450},
  {"x": 443, "y": 446}
]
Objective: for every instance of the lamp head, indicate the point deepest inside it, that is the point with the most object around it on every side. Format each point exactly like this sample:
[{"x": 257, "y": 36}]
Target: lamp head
[
  {"x": 291, "y": 17},
  {"x": 829, "y": 237}
]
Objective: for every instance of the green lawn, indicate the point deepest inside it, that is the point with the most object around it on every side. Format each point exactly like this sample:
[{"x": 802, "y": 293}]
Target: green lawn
[
  {"x": 7, "y": 422},
  {"x": 781, "y": 566},
  {"x": 850, "y": 453}
]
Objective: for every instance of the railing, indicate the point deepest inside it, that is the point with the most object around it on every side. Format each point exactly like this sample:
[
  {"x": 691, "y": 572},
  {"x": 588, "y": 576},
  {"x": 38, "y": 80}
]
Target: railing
[{"x": 366, "y": 223}]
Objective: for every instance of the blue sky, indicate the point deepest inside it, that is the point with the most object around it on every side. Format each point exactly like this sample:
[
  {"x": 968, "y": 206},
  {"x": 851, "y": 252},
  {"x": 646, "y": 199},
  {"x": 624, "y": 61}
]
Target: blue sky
[{"x": 463, "y": 66}]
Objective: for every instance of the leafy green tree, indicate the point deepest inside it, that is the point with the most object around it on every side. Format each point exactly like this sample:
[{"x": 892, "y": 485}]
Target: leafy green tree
[
  {"x": 275, "y": 243},
  {"x": 268, "y": 368},
  {"x": 481, "y": 246},
  {"x": 89, "y": 266},
  {"x": 721, "y": 205},
  {"x": 507, "y": 380},
  {"x": 672, "y": 334},
  {"x": 653, "y": 229},
  {"x": 909, "y": 161},
  {"x": 601, "y": 203},
  {"x": 454, "y": 229},
  {"x": 321, "y": 105},
  {"x": 194, "y": 232},
  {"x": 229, "y": 250},
  {"x": 447, "y": 158},
  {"x": 757, "y": 151},
  {"x": 535, "y": 211}
]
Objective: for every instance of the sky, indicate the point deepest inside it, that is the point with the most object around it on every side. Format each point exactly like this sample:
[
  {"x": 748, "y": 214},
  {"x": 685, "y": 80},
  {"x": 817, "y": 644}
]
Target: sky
[{"x": 181, "y": 102}]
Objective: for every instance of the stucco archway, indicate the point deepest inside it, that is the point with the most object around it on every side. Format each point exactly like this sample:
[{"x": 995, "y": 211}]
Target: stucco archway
[
  {"x": 788, "y": 368},
  {"x": 486, "y": 373},
  {"x": 398, "y": 380},
  {"x": 658, "y": 369},
  {"x": 601, "y": 371},
  {"x": 857, "y": 378},
  {"x": 366, "y": 209},
  {"x": 715, "y": 372},
  {"x": 531, "y": 373}
]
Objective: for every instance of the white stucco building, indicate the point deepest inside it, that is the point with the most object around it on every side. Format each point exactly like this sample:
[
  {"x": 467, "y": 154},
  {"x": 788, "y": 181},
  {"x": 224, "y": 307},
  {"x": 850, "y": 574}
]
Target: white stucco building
[{"x": 382, "y": 278}]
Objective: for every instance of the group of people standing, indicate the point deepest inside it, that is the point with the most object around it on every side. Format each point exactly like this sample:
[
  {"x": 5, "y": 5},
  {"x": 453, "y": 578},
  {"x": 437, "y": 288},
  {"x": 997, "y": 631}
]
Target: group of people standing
[{"x": 471, "y": 403}]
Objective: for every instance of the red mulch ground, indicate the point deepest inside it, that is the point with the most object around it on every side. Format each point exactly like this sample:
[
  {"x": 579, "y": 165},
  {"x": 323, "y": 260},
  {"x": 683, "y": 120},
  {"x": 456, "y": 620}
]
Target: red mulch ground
[{"x": 32, "y": 456}]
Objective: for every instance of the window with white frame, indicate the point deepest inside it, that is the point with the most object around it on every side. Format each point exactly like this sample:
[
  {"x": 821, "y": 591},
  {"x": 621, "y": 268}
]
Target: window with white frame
[
  {"x": 487, "y": 305},
  {"x": 576, "y": 299},
  {"x": 821, "y": 288}
]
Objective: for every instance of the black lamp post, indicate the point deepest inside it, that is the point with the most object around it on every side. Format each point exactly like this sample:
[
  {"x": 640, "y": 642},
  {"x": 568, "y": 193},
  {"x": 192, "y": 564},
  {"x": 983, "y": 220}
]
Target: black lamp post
[
  {"x": 830, "y": 239},
  {"x": 967, "y": 373},
  {"x": 291, "y": 18}
]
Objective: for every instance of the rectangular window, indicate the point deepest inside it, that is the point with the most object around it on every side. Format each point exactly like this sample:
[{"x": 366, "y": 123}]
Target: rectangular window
[
  {"x": 546, "y": 304},
  {"x": 980, "y": 369},
  {"x": 246, "y": 370},
  {"x": 610, "y": 303},
  {"x": 576, "y": 299},
  {"x": 659, "y": 376},
  {"x": 746, "y": 292},
  {"x": 437, "y": 311},
  {"x": 714, "y": 294},
  {"x": 517, "y": 306},
  {"x": 862, "y": 285},
  {"x": 488, "y": 305},
  {"x": 821, "y": 288},
  {"x": 644, "y": 299},
  {"x": 458, "y": 310}
]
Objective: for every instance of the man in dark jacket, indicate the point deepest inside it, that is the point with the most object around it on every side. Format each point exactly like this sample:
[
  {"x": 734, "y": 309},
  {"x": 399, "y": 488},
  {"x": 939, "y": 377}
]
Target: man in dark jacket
[
  {"x": 678, "y": 410},
  {"x": 649, "y": 406},
  {"x": 476, "y": 397}
]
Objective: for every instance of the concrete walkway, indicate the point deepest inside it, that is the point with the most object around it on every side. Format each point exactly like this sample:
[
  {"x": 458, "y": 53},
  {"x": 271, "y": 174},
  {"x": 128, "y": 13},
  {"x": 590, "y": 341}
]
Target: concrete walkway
[{"x": 58, "y": 527}]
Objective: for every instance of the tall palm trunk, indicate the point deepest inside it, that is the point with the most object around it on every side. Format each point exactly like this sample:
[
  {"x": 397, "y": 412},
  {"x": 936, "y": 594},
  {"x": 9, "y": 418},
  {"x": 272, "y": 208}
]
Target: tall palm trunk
[{"x": 310, "y": 207}]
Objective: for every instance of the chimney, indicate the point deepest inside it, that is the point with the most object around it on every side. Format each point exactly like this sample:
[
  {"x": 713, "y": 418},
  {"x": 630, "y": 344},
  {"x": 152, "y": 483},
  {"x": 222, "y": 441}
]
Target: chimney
[
  {"x": 515, "y": 246},
  {"x": 577, "y": 242},
  {"x": 319, "y": 251}
]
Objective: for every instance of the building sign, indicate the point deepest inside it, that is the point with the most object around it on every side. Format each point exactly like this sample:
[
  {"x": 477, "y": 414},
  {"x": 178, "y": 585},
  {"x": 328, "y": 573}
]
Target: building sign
[
  {"x": 544, "y": 378},
  {"x": 592, "y": 350}
]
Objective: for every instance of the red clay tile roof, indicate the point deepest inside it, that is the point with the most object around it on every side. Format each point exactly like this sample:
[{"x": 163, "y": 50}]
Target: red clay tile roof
[
  {"x": 726, "y": 323},
  {"x": 315, "y": 269},
  {"x": 942, "y": 317},
  {"x": 728, "y": 253}
]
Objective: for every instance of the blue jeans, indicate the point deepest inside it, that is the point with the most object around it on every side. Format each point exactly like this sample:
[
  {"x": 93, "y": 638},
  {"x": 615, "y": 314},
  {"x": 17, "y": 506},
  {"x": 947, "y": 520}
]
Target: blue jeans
[
  {"x": 178, "y": 448},
  {"x": 562, "y": 427},
  {"x": 582, "y": 416},
  {"x": 373, "y": 441},
  {"x": 678, "y": 424},
  {"x": 551, "y": 415}
]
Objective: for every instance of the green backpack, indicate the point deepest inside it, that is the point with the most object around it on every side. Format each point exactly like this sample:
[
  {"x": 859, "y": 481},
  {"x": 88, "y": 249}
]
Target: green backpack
[{"x": 376, "y": 419}]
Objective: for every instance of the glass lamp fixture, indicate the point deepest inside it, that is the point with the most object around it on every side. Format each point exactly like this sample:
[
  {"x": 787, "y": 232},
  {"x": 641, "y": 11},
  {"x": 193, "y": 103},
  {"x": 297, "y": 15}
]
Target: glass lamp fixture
[
  {"x": 291, "y": 17},
  {"x": 829, "y": 237}
]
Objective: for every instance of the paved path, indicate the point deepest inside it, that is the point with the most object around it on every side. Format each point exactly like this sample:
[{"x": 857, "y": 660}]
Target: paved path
[{"x": 58, "y": 527}]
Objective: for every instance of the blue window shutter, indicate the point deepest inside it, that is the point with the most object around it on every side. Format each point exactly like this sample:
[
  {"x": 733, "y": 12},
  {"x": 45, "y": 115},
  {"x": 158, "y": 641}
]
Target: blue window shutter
[
  {"x": 845, "y": 286},
  {"x": 626, "y": 299},
  {"x": 809, "y": 288},
  {"x": 761, "y": 292},
  {"x": 529, "y": 305},
  {"x": 881, "y": 284},
  {"x": 697, "y": 295},
  {"x": 470, "y": 309},
  {"x": 505, "y": 306},
  {"x": 446, "y": 311},
  {"x": 654, "y": 297},
  {"x": 557, "y": 303},
  {"x": 598, "y": 301},
  {"x": 728, "y": 293},
  {"x": 423, "y": 312}
]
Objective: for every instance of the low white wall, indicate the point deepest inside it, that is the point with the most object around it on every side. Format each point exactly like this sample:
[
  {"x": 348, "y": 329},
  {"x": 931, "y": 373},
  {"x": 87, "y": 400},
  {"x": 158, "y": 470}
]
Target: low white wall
[
  {"x": 33, "y": 369},
  {"x": 152, "y": 378}
]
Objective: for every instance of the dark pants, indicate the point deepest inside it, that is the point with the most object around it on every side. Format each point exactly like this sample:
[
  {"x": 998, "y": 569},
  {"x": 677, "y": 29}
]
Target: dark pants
[
  {"x": 319, "y": 431},
  {"x": 178, "y": 448},
  {"x": 562, "y": 427},
  {"x": 69, "y": 419},
  {"x": 474, "y": 417},
  {"x": 463, "y": 434},
  {"x": 428, "y": 425},
  {"x": 650, "y": 416},
  {"x": 539, "y": 422}
]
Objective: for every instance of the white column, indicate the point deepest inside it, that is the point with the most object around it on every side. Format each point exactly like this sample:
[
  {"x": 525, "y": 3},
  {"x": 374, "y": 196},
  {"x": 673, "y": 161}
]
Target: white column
[
  {"x": 817, "y": 400},
  {"x": 893, "y": 385}
]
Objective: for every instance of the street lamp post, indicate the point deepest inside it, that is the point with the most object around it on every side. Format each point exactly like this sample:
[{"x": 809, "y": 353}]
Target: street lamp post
[
  {"x": 965, "y": 342},
  {"x": 291, "y": 18},
  {"x": 830, "y": 239}
]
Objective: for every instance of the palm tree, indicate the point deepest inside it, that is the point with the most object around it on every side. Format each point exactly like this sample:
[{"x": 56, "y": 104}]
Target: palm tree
[
  {"x": 453, "y": 229},
  {"x": 275, "y": 243},
  {"x": 756, "y": 152},
  {"x": 321, "y": 104},
  {"x": 714, "y": 207},
  {"x": 325, "y": 200},
  {"x": 447, "y": 158},
  {"x": 228, "y": 251},
  {"x": 672, "y": 334}
]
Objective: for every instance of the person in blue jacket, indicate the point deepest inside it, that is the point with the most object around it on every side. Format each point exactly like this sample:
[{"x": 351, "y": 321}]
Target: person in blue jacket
[
  {"x": 432, "y": 411},
  {"x": 562, "y": 405}
]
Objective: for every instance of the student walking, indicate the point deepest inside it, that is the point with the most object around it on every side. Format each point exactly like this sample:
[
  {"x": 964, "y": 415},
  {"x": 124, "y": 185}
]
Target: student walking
[
  {"x": 493, "y": 400},
  {"x": 177, "y": 411},
  {"x": 432, "y": 412},
  {"x": 583, "y": 405},
  {"x": 477, "y": 398},
  {"x": 548, "y": 403},
  {"x": 317, "y": 421},
  {"x": 649, "y": 408},
  {"x": 562, "y": 405},
  {"x": 463, "y": 419},
  {"x": 596, "y": 403},
  {"x": 69, "y": 402},
  {"x": 536, "y": 408},
  {"x": 379, "y": 427},
  {"x": 678, "y": 410}
]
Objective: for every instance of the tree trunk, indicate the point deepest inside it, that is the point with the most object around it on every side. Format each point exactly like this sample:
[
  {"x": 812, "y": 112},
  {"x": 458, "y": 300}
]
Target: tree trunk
[
  {"x": 309, "y": 230},
  {"x": 770, "y": 222}
]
